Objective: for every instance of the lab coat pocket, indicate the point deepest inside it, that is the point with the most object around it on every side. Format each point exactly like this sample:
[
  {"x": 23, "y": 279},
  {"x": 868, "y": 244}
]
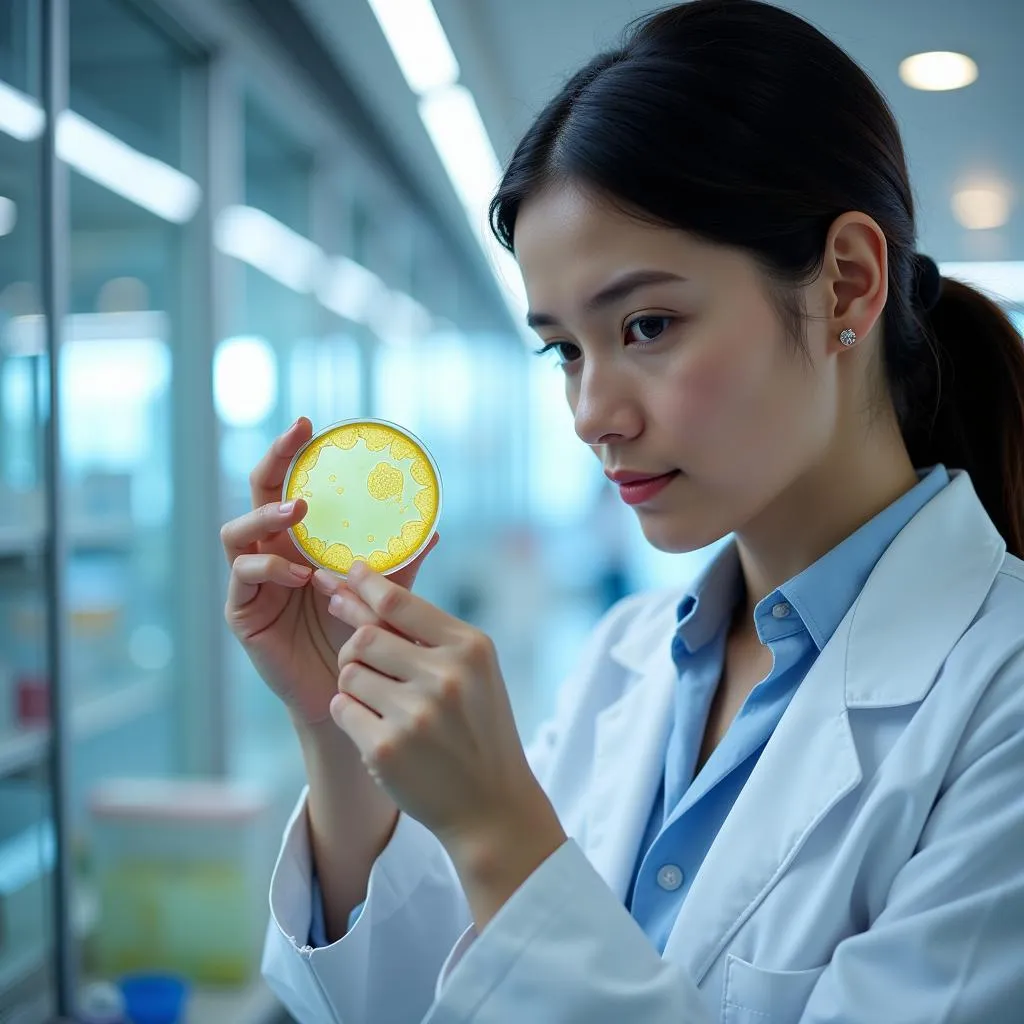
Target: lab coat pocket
[{"x": 756, "y": 996}]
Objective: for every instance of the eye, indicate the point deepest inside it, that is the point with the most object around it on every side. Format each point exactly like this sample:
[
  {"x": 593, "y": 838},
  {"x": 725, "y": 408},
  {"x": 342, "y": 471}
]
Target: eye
[
  {"x": 566, "y": 351},
  {"x": 645, "y": 329}
]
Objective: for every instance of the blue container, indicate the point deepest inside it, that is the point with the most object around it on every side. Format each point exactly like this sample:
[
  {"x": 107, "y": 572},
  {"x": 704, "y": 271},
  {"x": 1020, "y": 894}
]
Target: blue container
[{"x": 154, "y": 998}]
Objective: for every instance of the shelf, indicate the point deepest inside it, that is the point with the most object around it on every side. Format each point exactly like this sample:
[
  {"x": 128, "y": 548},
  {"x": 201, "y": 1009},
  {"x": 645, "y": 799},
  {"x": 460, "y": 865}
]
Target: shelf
[
  {"x": 90, "y": 717},
  {"x": 19, "y": 541},
  {"x": 17, "y": 969}
]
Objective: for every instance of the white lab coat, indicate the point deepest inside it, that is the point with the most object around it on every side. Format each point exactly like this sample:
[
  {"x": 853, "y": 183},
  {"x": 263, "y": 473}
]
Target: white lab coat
[{"x": 871, "y": 871}]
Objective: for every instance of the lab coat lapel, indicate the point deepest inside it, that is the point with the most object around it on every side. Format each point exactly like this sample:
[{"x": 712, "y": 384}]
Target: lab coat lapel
[
  {"x": 631, "y": 736},
  {"x": 932, "y": 580}
]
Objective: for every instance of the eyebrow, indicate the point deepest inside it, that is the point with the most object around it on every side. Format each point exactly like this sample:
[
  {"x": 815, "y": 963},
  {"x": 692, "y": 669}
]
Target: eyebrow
[{"x": 614, "y": 292}]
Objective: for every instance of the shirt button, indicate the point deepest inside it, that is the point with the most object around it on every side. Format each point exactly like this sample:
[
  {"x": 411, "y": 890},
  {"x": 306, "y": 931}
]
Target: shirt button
[
  {"x": 670, "y": 877},
  {"x": 781, "y": 610}
]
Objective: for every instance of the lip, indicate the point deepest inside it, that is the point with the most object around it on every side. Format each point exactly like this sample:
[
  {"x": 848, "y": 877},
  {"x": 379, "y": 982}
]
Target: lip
[
  {"x": 643, "y": 489},
  {"x": 628, "y": 476}
]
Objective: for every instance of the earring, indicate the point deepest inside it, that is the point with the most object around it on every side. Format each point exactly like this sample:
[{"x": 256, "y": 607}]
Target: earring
[{"x": 848, "y": 337}]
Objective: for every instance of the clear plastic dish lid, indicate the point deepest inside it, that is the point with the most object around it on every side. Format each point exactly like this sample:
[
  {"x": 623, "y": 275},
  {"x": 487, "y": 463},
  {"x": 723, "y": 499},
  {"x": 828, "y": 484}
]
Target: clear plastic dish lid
[{"x": 374, "y": 495}]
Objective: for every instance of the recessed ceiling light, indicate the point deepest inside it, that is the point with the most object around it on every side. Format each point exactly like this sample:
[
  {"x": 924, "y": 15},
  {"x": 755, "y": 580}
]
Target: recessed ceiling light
[
  {"x": 938, "y": 70},
  {"x": 981, "y": 208}
]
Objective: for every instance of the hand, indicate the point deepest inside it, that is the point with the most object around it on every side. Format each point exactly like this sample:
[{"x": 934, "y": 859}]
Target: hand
[
  {"x": 422, "y": 697},
  {"x": 282, "y": 621}
]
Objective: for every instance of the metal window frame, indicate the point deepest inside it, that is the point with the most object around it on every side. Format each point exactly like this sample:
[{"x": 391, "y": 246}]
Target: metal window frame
[{"x": 55, "y": 238}]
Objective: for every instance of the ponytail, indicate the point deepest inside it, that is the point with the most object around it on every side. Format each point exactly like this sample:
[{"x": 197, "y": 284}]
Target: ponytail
[{"x": 975, "y": 419}]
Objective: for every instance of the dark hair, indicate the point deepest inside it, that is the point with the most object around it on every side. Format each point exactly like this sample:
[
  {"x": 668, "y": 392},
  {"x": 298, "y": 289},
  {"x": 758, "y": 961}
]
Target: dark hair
[{"x": 743, "y": 124}]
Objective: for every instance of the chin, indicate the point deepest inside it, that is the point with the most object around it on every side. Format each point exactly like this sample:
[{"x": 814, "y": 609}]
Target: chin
[{"x": 677, "y": 535}]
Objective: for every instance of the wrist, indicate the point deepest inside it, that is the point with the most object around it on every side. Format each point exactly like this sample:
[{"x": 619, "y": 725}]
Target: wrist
[
  {"x": 498, "y": 855},
  {"x": 327, "y": 751}
]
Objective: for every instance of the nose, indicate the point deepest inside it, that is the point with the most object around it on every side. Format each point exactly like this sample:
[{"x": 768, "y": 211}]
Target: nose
[{"x": 605, "y": 410}]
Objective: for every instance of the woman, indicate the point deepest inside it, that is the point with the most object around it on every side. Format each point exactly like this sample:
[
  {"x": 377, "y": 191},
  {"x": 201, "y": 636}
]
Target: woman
[{"x": 790, "y": 791}]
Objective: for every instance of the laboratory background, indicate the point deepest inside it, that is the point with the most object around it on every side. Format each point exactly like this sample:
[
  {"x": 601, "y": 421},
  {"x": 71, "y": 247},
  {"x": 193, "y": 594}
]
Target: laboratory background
[{"x": 217, "y": 216}]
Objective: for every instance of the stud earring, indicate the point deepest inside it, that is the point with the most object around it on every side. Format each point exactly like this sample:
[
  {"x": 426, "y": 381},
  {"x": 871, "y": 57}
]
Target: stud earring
[{"x": 848, "y": 337}]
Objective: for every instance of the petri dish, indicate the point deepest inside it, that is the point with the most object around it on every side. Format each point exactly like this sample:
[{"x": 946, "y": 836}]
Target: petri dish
[{"x": 374, "y": 495}]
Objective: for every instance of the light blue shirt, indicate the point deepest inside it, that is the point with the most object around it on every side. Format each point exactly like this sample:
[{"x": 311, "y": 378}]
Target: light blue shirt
[{"x": 794, "y": 622}]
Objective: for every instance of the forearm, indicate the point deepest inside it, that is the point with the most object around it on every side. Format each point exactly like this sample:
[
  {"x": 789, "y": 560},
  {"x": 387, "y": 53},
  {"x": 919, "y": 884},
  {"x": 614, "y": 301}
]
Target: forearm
[{"x": 351, "y": 820}]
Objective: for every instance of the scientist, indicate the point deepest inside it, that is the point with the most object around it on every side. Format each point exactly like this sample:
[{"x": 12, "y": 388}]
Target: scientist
[{"x": 791, "y": 790}]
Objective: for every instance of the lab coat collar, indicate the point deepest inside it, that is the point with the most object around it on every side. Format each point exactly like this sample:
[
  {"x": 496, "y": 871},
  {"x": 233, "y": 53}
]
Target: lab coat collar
[{"x": 931, "y": 580}]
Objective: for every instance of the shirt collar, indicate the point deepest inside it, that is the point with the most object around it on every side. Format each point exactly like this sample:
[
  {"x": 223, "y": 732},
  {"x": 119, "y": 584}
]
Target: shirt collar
[
  {"x": 825, "y": 591},
  {"x": 820, "y": 595},
  {"x": 709, "y": 602}
]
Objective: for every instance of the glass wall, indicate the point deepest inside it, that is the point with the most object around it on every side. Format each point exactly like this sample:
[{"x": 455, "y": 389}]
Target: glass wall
[{"x": 117, "y": 373}]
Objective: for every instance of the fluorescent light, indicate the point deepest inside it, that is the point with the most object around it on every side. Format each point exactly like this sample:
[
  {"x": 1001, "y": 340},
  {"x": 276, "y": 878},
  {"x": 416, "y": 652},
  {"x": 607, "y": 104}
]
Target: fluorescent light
[
  {"x": 1003, "y": 280},
  {"x": 350, "y": 290},
  {"x": 341, "y": 285},
  {"x": 143, "y": 180},
  {"x": 21, "y": 117},
  {"x": 506, "y": 269},
  {"x": 8, "y": 215},
  {"x": 983, "y": 207},
  {"x": 418, "y": 42},
  {"x": 455, "y": 127},
  {"x": 938, "y": 71},
  {"x": 452, "y": 120},
  {"x": 256, "y": 238},
  {"x": 104, "y": 158},
  {"x": 244, "y": 381}
]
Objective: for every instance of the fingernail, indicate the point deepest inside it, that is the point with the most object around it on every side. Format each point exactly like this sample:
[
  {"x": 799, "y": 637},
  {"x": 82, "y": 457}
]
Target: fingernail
[
  {"x": 286, "y": 508},
  {"x": 303, "y": 572},
  {"x": 357, "y": 571},
  {"x": 336, "y": 604},
  {"x": 335, "y": 706}
]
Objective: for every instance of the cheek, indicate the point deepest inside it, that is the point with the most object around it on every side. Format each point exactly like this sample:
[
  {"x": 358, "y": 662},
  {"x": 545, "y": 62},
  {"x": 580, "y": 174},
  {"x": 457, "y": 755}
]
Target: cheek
[
  {"x": 740, "y": 406},
  {"x": 723, "y": 388}
]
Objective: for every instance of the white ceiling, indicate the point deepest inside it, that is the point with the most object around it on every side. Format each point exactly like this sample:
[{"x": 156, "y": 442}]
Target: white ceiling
[{"x": 515, "y": 54}]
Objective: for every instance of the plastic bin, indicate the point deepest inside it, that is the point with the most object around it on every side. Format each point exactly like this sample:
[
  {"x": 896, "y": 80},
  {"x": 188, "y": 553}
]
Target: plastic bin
[{"x": 182, "y": 868}]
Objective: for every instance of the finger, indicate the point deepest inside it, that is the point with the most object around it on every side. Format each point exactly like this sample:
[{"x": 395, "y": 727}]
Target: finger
[
  {"x": 242, "y": 534},
  {"x": 396, "y": 606},
  {"x": 383, "y": 651},
  {"x": 267, "y": 479},
  {"x": 351, "y": 609},
  {"x": 328, "y": 583},
  {"x": 250, "y": 572},
  {"x": 365, "y": 728},
  {"x": 385, "y": 697}
]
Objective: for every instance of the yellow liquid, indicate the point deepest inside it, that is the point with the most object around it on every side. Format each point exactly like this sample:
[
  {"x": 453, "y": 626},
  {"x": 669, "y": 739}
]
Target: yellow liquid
[{"x": 373, "y": 496}]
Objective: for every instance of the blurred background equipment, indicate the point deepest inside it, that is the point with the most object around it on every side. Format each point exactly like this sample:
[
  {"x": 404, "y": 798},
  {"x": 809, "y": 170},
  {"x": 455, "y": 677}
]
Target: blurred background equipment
[{"x": 217, "y": 215}]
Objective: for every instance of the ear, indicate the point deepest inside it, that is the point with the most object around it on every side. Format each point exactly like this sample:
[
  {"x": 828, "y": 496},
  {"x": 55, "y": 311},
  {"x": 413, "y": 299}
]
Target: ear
[{"x": 855, "y": 274}]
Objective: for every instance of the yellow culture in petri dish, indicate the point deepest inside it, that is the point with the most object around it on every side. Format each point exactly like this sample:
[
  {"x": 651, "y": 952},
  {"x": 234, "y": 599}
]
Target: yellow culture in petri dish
[{"x": 374, "y": 495}]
